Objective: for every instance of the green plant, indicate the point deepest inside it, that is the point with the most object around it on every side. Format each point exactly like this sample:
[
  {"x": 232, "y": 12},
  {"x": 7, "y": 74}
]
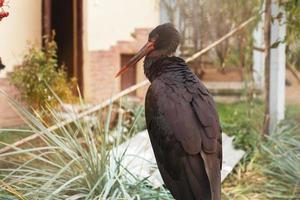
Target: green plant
[
  {"x": 273, "y": 170},
  {"x": 292, "y": 39},
  {"x": 133, "y": 117},
  {"x": 10, "y": 136},
  {"x": 245, "y": 182},
  {"x": 199, "y": 24},
  {"x": 282, "y": 163},
  {"x": 243, "y": 121},
  {"x": 38, "y": 73},
  {"x": 75, "y": 162}
]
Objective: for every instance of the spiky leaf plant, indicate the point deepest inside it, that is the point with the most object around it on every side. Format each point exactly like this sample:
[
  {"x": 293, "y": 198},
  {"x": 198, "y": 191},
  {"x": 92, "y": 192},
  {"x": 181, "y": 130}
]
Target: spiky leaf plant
[
  {"x": 273, "y": 171},
  {"x": 73, "y": 163},
  {"x": 282, "y": 168}
]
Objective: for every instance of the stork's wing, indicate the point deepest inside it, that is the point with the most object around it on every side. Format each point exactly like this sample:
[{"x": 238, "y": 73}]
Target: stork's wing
[
  {"x": 186, "y": 137},
  {"x": 188, "y": 115}
]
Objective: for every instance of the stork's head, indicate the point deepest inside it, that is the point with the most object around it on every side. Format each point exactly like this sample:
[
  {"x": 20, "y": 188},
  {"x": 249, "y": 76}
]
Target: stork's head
[{"x": 162, "y": 41}]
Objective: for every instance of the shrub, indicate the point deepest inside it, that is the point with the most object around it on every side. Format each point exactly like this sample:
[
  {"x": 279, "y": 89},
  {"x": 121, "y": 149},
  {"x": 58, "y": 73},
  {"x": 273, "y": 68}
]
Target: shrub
[{"x": 38, "y": 73}]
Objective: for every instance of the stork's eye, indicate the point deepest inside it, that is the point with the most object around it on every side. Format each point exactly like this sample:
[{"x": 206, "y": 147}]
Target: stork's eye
[{"x": 153, "y": 38}]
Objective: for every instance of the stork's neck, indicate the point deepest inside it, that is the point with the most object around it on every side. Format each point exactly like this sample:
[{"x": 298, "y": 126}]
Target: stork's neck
[
  {"x": 149, "y": 63},
  {"x": 154, "y": 66}
]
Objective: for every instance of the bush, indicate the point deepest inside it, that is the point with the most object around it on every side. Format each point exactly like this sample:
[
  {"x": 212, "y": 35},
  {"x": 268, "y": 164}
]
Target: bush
[{"x": 38, "y": 73}]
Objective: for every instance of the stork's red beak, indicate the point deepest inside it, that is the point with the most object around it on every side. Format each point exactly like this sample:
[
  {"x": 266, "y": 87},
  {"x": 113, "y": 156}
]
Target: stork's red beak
[{"x": 149, "y": 46}]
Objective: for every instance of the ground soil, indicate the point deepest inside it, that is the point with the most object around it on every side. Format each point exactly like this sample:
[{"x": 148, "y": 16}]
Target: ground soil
[
  {"x": 213, "y": 74},
  {"x": 292, "y": 92}
]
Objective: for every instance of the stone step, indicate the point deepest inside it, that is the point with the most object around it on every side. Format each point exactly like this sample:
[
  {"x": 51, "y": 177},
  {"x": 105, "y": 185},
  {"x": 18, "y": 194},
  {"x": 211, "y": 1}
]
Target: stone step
[{"x": 230, "y": 88}]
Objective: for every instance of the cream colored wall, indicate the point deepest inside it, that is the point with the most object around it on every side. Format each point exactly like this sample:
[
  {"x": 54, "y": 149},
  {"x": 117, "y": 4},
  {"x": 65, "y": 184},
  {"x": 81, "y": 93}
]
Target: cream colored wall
[
  {"x": 110, "y": 21},
  {"x": 23, "y": 25},
  {"x": 87, "y": 73}
]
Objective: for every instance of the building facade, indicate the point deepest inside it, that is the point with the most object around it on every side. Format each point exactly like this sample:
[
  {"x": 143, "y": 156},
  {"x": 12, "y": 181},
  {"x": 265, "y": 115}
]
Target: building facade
[{"x": 95, "y": 38}]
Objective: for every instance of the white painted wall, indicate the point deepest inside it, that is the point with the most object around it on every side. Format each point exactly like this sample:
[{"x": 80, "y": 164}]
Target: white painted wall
[
  {"x": 277, "y": 68},
  {"x": 112, "y": 20},
  {"x": 259, "y": 56},
  {"x": 23, "y": 25}
]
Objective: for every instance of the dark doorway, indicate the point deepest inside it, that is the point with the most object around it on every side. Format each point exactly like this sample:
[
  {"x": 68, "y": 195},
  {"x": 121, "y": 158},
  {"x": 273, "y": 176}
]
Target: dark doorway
[
  {"x": 62, "y": 22},
  {"x": 65, "y": 18},
  {"x": 129, "y": 77}
]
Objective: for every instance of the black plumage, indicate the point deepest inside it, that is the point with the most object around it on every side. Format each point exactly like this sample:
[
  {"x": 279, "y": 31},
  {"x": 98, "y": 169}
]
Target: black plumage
[{"x": 182, "y": 122}]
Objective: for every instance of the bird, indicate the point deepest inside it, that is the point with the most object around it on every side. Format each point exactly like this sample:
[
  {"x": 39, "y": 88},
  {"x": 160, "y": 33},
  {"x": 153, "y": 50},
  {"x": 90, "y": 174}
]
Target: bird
[{"x": 181, "y": 119}]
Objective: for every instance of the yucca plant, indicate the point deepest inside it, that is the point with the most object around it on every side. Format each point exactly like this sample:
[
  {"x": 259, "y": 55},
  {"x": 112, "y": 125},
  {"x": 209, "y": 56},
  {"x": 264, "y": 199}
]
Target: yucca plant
[
  {"x": 273, "y": 171},
  {"x": 282, "y": 166},
  {"x": 74, "y": 162}
]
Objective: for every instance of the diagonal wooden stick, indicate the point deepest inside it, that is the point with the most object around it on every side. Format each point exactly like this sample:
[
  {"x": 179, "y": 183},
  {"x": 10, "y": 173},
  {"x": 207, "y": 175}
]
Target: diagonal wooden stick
[{"x": 225, "y": 37}]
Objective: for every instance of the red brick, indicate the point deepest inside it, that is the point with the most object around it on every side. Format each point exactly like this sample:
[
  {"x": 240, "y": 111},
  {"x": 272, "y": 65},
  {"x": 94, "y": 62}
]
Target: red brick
[
  {"x": 8, "y": 116},
  {"x": 104, "y": 65}
]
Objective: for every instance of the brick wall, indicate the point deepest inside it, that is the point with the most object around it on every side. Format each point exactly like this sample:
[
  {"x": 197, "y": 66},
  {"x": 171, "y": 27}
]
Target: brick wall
[
  {"x": 103, "y": 66},
  {"x": 8, "y": 117}
]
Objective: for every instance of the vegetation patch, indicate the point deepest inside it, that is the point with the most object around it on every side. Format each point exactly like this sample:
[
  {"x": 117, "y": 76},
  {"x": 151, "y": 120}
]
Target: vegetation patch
[
  {"x": 76, "y": 164},
  {"x": 39, "y": 77}
]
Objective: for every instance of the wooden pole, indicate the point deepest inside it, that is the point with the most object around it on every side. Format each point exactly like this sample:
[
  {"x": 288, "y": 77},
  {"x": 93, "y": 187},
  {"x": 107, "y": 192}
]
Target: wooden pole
[
  {"x": 267, "y": 39},
  {"x": 222, "y": 39}
]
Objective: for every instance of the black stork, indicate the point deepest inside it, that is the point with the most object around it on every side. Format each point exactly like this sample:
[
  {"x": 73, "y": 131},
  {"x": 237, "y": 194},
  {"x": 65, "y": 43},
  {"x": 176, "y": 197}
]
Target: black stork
[{"x": 181, "y": 119}]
